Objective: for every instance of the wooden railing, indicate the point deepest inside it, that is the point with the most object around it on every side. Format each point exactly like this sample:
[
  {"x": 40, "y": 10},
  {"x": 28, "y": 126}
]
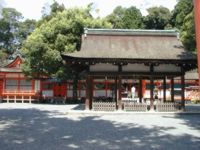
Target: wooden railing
[
  {"x": 167, "y": 107},
  {"x": 19, "y": 96},
  {"x": 104, "y": 106},
  {"x": 134, "y": 106}
]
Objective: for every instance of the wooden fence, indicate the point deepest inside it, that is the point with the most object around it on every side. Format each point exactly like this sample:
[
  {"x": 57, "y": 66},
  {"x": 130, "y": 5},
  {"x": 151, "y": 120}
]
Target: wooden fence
[
  {"x": 134, "y": 106},
  {"x": 167, "y": 107},
  {"x": 104, "y": 106}
]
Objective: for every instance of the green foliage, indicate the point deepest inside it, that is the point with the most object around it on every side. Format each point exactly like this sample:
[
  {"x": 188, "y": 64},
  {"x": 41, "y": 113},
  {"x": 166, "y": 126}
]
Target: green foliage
[
  {"x": 3, "y": 56},
  {"x": 158, "y": 18},
  {"x": 9, "y": 24},
  {"x": 132, "y": 18},
  {"x": 25, "y": 29},
  {"x": 182, "y": 9},
  {"x": 183, "y": 20},
  {"x": 61, "y": 34},
  {"x": 13, "y": 31},
  {"x": 188, "y": 32},
  {"x": 49, "y": 14},
  {"x": 116, "y": 18},
  {"x": 5, "y": 35},
  {"x": 126, "y": 18}
]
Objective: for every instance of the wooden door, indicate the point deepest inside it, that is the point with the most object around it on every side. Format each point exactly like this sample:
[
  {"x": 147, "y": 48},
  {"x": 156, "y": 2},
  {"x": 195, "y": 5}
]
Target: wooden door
[{"x": 60, "y": 90}]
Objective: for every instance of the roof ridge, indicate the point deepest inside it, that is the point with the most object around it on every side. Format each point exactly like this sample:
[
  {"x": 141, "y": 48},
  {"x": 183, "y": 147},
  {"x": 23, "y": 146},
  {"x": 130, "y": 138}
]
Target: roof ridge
[{"x": 130, "y": 32}]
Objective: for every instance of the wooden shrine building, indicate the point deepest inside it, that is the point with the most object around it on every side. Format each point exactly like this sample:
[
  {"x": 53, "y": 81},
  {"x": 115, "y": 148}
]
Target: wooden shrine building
[
  {"x": 14, "y": 86},
  {"x": 121, "y": 55}
]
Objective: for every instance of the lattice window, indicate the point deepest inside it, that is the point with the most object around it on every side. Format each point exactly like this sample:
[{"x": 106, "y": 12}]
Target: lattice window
[
  {"x": 11, "y": 84},
  {"x": 25, "y": 85}
]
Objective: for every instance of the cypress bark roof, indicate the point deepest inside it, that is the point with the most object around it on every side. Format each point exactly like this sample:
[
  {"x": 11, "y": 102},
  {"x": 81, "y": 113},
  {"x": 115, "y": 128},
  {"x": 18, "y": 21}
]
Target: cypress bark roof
[{"x": 132, "y": 44}]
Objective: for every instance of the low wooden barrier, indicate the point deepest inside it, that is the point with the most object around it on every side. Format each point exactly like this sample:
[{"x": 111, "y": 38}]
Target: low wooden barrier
[
  {"x": 104, "y": 106},
  {"x": 167, "y": 107},
  {"x": 134, "y": 106},
  {"x": 23, "y": 97}
]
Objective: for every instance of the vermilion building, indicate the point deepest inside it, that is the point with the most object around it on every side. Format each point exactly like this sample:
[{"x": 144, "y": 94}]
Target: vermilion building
[{"x": 14, "y": 86}]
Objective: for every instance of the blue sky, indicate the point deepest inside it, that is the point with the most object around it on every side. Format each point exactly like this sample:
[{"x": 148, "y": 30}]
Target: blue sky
[{"x": 32, "y": 8}]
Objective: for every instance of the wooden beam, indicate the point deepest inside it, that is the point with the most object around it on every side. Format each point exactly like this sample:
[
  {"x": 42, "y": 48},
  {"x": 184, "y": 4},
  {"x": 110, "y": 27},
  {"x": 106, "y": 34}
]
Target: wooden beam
[
  {"x": 122, "y": 61},
  {"x": 139, "y": 74}
]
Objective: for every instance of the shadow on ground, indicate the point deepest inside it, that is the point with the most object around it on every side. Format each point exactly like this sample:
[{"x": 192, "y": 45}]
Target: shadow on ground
[
  {"x": 32, "y": 129},
  {"x": 79, "y": 107}
]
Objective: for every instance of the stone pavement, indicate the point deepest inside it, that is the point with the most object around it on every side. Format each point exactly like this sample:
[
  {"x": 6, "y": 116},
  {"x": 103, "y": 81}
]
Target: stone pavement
[{"x": 49, "y": 127}]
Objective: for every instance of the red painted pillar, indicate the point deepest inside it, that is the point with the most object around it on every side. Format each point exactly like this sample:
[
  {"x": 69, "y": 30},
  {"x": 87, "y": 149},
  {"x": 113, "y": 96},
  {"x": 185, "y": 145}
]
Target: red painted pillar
[{"x": 197, "y": 25}]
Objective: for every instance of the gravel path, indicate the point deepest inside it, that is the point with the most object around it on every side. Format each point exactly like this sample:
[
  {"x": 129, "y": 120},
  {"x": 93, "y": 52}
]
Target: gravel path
[{"x": 48, "y": 127}]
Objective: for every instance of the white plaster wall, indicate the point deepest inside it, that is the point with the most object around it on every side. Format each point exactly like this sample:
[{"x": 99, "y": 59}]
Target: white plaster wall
[
  {"x": 98, "y": 93},
  {"x": 103, "y": 67},
  {"x": 37, "y": 85},
  {"x": 167, "y": 68},
  {"x": 47, "y": 93},
  {"x": 69, "y": 93},
  {"x": 136, "y": 68},
  {"x": 12, "y": 75},
  {"x": 82, "y": 93}
]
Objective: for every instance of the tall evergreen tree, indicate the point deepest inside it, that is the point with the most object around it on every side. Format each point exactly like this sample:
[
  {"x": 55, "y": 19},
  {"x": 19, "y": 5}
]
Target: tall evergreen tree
[
  {"x": 126, "y": 18},
  {"x": 183, "y": 20},
  {"x": 157, "y": 18}
]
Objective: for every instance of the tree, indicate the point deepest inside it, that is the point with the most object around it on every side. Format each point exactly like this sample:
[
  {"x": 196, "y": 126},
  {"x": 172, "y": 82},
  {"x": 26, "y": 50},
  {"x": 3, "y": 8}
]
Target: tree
[
  {"x": 6, "y": 36},
  {"x": 116, "y": 17},
  {"x": 132, "y": 18},
  {"x": 13, "y": 30},
  {"x": 9, "y": 28},
  {"x": 125, "y": 18},
  {"x": 52, "y": 38},
  {"x": 3, "y": 56},
  {"x": 182, "y": 9},
  {"x": 49, "y": 11},
  {"x": 183, "y": 20},
  {"x": 157, "y": 18},
  {"x": 25, "y": 29},
  {"x": 188, "y": 32}
]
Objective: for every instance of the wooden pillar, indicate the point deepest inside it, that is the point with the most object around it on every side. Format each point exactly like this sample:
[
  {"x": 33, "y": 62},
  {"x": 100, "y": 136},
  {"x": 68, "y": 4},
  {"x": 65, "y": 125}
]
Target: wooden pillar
[
  {"x": 164, "y": 89},
  {"x": 140, "y": 90},
  {"x": 91, "y": 92},
  {"x": 116, "y": 96},
  {"x": 88, "y": 93},
  {"x": 151, "y": 88},
  {"x": 197, "y": 27},
  {"x": 151, "y": 93},
  {"x": 182, "y": 92},
  {"x": 119, "y": 87},
  {"x": 172, "y": 89}
]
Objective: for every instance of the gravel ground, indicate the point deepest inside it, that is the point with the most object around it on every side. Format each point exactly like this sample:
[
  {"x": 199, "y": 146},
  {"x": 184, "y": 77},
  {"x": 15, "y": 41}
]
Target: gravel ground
[{"x": 49, "y": 127}]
